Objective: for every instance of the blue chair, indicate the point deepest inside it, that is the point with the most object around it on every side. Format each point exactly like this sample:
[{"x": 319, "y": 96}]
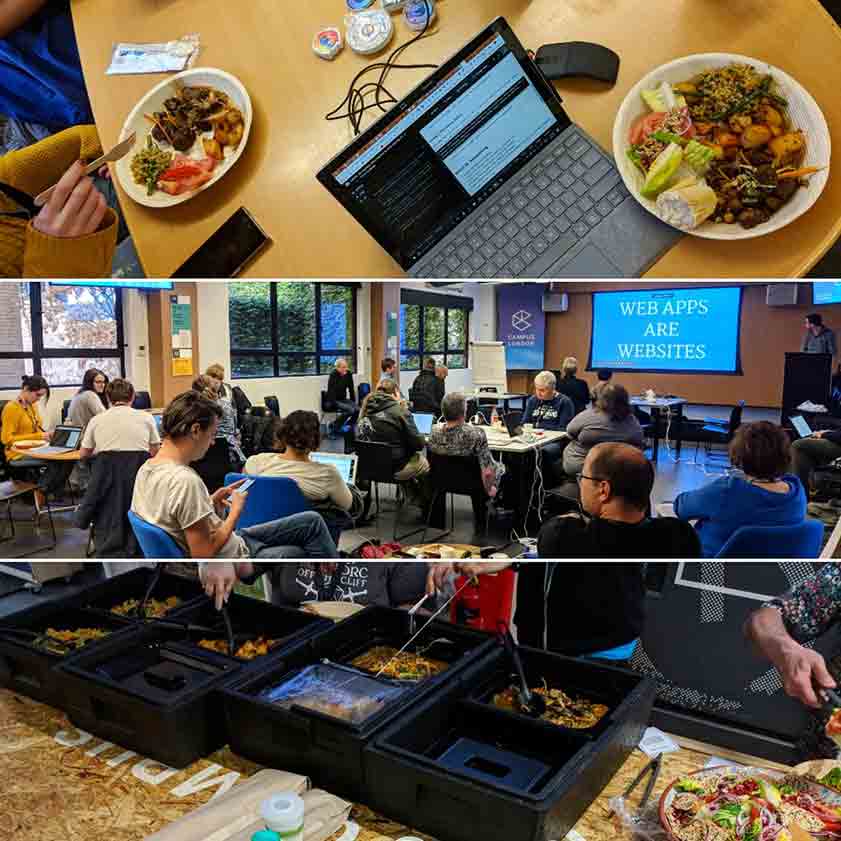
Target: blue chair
[
  {"x": 153, "y": 540},
  {"x": 269, "y": 498},
  {"x": 362, "y": 391},
  {"x": 805, "y": 540}
]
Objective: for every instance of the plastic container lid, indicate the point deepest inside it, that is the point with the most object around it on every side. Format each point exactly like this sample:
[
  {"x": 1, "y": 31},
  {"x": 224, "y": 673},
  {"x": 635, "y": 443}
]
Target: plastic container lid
[
  {"x": 368, "y": 32},
  {"x": 284, "y": 812},
  {"x": 265, "y": 835},
  {"x": 416, "y": 12}
]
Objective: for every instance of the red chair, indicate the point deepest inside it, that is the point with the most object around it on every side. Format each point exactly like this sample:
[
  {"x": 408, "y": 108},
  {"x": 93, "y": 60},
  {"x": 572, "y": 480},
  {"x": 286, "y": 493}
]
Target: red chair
[{"x": 482, "y": 605}]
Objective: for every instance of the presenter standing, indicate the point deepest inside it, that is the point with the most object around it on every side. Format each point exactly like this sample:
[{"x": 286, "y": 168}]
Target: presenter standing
[{"x": 818, "y": 338}]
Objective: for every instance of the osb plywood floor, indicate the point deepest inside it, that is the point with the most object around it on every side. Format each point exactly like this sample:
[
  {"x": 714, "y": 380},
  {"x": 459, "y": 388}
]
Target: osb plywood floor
[{"x": 58, "y": 783}]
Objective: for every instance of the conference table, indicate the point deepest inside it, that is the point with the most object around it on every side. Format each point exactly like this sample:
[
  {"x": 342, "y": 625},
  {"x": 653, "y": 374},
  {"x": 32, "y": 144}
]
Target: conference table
[
  {"x": 672, "y": 408},
  {"x": 267, "y": 45}
]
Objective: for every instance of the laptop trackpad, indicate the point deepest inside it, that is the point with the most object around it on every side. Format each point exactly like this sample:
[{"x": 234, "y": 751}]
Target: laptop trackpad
[{"x": 589, "y": 262}]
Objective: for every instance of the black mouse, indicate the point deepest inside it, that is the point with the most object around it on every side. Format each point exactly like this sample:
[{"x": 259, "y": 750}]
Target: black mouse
[{"x": 578, "y": 58}]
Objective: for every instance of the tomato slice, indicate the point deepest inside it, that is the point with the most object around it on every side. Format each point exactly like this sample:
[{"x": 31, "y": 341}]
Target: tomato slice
[
  {"x": 181, "y": 170},
  {"x": 645, "y": 125}
]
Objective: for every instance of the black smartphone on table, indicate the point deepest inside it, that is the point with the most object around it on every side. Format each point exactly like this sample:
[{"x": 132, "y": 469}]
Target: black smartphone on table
[{"x": 226, "y": 252}]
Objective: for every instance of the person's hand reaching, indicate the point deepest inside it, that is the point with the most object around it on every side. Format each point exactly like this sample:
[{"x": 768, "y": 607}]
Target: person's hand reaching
[
  {"x": 437, "y": 575},
  {"x": 218, "y": 580},
  {"x": 804, "y": 674},
  {"x": 75, "y": 208}
]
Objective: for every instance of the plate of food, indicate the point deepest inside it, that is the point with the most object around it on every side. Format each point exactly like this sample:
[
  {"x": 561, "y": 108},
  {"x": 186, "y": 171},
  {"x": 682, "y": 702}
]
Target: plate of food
[
  {"x": 191, "y": 129},
  {"x": 32, "y": 444},
  {"x": 722, "y": 146},
  {"x": 336, "y": 611},
  {"x": 735, "y": 803}
]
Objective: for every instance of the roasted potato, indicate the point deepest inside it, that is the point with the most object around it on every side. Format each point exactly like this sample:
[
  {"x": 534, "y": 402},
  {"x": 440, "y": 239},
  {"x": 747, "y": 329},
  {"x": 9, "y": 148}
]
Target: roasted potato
[
  {"x": 739, "y": 122},
  {"x": 787, "y": 147},
  {"x": 755, "y": 136},
  {"x": 235, "y": 134},
  {"x": 685, "y": 87},
  {"x": 212, "y": 148},
  {"x": 726, "y": 139},
  {"x": 769, "y": 115},
  {"x": 220, "y": 134}
]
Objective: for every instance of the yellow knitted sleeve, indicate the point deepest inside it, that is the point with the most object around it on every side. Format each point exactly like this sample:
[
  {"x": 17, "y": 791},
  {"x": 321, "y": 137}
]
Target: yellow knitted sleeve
[{"x": 39, "y": 166}]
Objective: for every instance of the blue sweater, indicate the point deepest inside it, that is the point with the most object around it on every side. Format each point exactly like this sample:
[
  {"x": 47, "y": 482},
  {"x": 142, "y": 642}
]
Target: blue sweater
[
  {"x": 731, "y": 502},
  {"x": 552, "y": 414}
]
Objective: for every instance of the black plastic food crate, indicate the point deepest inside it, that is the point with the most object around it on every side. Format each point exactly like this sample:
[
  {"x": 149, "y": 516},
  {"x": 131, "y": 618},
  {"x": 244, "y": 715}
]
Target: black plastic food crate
[
  {"x": 459, "y": 769},
  {"x": 323, "y": 747},
  {"x": 133, "y": 585},
  {"x": 153, "y": 694},
  {"x": 28, "y": 668},
  {"x": 250, "y": 618}
]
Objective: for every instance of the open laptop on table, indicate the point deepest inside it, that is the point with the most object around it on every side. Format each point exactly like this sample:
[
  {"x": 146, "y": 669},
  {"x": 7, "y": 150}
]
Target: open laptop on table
[
  {"x": 423, "y": 422},
  {"x": 65, "y": 439},
  {"x": 479, "y": 172},
  {"x": 345, "y": 464}
]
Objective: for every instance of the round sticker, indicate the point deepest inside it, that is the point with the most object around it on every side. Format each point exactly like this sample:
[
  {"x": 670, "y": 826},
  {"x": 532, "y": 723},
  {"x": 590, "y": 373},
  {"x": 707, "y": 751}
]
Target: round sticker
[{"x": 327, "y": 42}]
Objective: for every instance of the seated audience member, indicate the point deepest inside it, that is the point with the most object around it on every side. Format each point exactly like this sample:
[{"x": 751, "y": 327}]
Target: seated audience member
[
  {"x": 217, "y": 372},
  {"x": 765, "y": 495},
  {"x": 818, "y": 450},
  {"x": 91, "y": 399},
  {"x": 610, "y": 420},
  {"x": 120, "y": 428},
  {"x": 341, "y": 390},
  {"x": 428, "y": 389},
  {"x": 295, "y": 437},
  {"x": 393, "y": 584},
  {"x": 389, "y": 369},
  {"x": 75, "y": 233},
  {"x": 604, "y": 375},
  {"x": 210, "y": 387},
  {"x": 571, "y": 386},
  {"x": 21, "y": 421},
  {"x": 454, "y": 437},
  {"x": 40, "y": 67},
  {"x": 386, "y": 419},
  {"x": 547, "y": 409},
  {"x": 169, "y": 494}
]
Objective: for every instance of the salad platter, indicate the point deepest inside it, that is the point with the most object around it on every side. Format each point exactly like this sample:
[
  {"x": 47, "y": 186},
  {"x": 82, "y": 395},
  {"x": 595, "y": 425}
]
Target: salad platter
[
  {"x": 735, "y": 803},
  {"x": 191, "y": 129},
  {"x": 722, "y": 146}
]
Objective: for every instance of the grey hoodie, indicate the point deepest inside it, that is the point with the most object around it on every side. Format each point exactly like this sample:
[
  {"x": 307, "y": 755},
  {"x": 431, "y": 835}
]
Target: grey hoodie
[{"x": 388, "y": 421}]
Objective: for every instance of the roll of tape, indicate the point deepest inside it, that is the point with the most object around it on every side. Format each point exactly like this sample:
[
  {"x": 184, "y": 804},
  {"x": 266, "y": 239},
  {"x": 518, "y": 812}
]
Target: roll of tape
[
  {"x": 415, "y": 13},
  {"x": 369, "y": 32}
]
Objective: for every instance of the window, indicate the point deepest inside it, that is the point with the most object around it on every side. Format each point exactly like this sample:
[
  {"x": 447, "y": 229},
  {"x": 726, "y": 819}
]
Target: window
[
  {"x": 289, "y": 329},
  {"x": 59, "y": 332},
  {"x": 439, "y": 332}
]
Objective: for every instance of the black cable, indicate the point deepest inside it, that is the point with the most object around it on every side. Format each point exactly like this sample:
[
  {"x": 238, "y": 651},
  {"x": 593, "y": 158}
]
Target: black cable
[{"x": 355, "y": 98}]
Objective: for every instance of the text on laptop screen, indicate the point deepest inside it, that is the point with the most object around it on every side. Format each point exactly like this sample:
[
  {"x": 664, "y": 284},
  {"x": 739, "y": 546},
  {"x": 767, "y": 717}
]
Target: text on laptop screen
[
  {"x": 803, "y": 428},
  {"x": 420, "y": 173},
  {"x": 424, "y": 422},
  {"x": 66, "y": 436},
  {"x": 343, "y": 464}
]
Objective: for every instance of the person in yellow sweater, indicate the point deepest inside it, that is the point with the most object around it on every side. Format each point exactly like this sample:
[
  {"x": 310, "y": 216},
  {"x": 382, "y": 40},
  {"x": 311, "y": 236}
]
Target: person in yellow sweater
[
  {"x": 75, "y": 233},
  {"x": 21, "y": 421}
]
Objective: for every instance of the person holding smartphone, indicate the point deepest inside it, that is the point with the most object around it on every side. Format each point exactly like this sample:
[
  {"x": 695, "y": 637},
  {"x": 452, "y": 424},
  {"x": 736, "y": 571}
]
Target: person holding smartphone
[{"x": 169, "y": 494}]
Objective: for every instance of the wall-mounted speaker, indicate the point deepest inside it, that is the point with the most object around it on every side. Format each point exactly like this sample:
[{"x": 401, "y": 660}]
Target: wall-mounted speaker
[{"x": 781, "y": 294}]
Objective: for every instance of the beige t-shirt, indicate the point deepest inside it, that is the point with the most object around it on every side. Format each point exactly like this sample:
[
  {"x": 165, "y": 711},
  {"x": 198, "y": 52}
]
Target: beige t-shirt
[
  {"x": 316, "y": 481},
  {"x": 173, "y": 497},
  {"x": 123, "y": 429}
]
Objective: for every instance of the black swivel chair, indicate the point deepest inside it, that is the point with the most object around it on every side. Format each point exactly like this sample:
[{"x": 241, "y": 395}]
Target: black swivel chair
[
  {"x": 716, "y": 431},
  {"x": 455, "y": 475},
  {"x": 272, "y": 404},
  {"x": 65, "y": 410},
  {"x": 374, "y": 464},
  {"x": 142, "y": 400},
  {"x": 258, "y": 411},
  {"x": 215, "y": 465}
]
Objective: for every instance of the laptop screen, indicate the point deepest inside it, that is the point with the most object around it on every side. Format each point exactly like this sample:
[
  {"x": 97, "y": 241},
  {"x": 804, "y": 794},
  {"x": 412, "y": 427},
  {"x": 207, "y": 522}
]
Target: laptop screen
[
  {"x": 66, "y": 436},
  {"x": 346, "y": 465},
  {"x": 444, "y": 149},
  {"x": 424, "y": 422},
  {"x": 802, "y": 427}
]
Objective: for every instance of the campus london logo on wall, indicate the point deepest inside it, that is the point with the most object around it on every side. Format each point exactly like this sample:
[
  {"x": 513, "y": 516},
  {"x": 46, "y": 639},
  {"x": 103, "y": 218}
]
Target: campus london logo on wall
[{"x": 521, "y": 324}]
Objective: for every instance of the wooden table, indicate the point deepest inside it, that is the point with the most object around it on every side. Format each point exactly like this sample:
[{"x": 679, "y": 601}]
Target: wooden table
[
  {"x": 73, "y": 455},
  {"x": 266, "y": 44}
]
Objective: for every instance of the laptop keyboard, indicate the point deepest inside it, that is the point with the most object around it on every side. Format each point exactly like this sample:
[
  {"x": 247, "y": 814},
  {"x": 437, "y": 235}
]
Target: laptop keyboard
[{"x": 553, "y": 204}]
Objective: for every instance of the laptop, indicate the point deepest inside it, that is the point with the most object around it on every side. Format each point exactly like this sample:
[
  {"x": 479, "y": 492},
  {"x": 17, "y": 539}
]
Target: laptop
[
  {"x": 65, "y": 439},
  {"x": 479, "y": 172},
  {"x": 345, "y": 464},
  {"x": 512, "y": 421},
  {"x": 801, "y": 426},
  {"x": 159, "y": 419},
  {"x": 424, "y": 422}
]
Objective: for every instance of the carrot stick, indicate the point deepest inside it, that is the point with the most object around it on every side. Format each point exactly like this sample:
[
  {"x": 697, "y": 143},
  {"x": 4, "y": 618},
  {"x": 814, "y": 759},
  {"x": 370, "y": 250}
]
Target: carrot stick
[{"x": 799, "y": 173}]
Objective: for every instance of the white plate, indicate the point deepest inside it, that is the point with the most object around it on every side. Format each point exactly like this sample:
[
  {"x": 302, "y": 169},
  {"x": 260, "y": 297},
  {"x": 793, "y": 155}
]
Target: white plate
[
  {"x": 32, "y": 444},
  {"x": 803, "y": 113},
  {"x": 154, "y": 101}
]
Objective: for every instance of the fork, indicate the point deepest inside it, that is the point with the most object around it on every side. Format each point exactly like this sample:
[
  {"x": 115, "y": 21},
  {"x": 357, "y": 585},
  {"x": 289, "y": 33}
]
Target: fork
[{"x": 117, "y": 152}]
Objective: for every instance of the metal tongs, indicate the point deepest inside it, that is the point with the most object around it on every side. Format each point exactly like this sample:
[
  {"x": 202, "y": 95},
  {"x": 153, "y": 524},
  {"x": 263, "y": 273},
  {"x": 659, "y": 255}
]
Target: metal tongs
[
  {"x": 412, "y": 612},
  {"x": 653, "y": 768},
  {"x": 531, "y": 703},
  {"x": 229, "y": 630},
  {"x": 831, "y": 699}
]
